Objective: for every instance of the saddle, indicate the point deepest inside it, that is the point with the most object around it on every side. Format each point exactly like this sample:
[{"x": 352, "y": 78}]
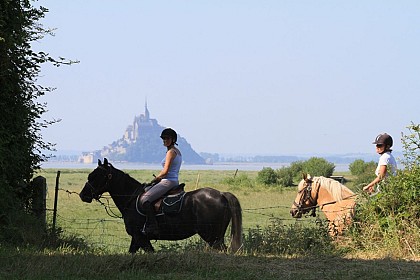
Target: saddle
[{"x": 170, "y": 203}]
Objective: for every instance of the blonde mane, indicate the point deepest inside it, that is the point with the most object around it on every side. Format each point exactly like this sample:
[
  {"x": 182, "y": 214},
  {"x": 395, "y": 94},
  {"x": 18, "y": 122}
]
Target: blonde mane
[{"x": 338, "y": 191}]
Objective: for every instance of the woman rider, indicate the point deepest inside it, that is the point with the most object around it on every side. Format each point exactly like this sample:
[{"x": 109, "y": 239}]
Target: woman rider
[
  {"x": 165, "y": 181},
  {"x": 386, "y": 165}
]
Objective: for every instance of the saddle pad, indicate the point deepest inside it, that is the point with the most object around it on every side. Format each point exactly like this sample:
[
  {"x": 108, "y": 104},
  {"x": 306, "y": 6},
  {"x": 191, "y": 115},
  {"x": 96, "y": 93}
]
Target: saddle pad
[{"x": 172, "y": 204}]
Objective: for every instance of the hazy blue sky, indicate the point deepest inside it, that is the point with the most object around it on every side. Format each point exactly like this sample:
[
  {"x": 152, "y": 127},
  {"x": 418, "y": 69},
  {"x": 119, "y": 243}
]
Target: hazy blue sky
[{"x": 245, "y": 77}]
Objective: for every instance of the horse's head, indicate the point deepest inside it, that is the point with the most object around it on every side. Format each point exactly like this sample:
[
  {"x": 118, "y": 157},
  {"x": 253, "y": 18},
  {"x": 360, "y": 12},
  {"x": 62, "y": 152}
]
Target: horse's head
[
  {"x": 306, "y": 199},
  {"x": 98, "y": 181}
]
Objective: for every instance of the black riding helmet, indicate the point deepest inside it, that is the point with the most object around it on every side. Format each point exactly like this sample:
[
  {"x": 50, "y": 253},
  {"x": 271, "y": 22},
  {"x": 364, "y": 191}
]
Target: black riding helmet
[
  {"x": 383, "y": 139},
  {"x": 169, "y": 132}
]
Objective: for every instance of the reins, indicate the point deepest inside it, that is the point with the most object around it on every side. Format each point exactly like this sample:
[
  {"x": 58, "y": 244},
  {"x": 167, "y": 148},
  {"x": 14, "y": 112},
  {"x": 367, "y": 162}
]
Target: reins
[
  {"x": 327, "y": 203},
  {"x": 107, "y": 207},
  {"x": 307, "y": 196}
]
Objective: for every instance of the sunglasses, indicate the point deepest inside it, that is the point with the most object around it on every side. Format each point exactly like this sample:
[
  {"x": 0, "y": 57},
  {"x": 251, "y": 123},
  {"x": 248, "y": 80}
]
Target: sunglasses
[{"x": 379, "y": 145}]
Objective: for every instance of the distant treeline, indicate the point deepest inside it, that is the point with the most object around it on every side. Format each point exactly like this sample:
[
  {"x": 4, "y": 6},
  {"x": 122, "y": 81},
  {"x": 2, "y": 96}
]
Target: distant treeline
[
  {"x": 215, "y": 157},
  {"x": 209, "y": 157}
]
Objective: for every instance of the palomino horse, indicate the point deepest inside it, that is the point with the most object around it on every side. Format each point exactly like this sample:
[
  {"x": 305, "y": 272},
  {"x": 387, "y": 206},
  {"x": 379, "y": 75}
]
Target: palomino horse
[
  {"x": 334, "y": 199},
  {"x": 206, "y": 212}
]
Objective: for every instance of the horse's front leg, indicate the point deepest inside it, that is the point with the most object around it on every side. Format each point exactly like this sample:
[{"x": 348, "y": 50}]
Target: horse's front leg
[
  {"x": 140, "y": 241},
  {"x": 134, "y": 246},
  {"x": 134, "y": 228}
]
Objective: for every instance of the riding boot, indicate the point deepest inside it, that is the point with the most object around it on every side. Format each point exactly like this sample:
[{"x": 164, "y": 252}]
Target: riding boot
[{"x": 151, "y": 226}]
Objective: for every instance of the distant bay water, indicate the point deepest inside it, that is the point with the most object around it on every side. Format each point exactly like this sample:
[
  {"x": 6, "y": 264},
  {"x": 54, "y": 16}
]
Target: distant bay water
[{"x": 245, "y": 166}]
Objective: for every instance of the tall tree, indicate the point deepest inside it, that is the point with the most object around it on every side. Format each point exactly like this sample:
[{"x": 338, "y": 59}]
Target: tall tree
[{"x": 21, "y": 144}]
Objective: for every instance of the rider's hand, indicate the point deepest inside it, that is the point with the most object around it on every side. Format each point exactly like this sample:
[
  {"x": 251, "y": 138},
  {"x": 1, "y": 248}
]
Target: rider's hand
[
  {"x": 156, "y": 180},
  {"x": 368, "y": 189}
]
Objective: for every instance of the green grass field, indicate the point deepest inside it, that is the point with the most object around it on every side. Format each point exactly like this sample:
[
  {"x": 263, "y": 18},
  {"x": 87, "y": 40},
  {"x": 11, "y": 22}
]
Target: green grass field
[
  {"x": 259, "y": 203},
  {"x": 107, "y": 257}
]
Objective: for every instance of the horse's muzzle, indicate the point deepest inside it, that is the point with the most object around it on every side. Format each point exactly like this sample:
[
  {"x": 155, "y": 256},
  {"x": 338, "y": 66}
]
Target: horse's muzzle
[
  {"x": 295, "y": 213},
  {"x": 86, "y": 194}
]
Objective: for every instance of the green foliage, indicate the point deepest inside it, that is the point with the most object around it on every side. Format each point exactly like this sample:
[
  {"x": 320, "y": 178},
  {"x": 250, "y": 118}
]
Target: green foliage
[
  {"x": 363, "y": 179},
  {"x": 359, "y": 167},
  {"x": 241, "y": 180},
  {"x": 285, "y": 176},
  {"x": 267, "y": 176},
  {"x": 274, "y": 239},
  {"x": 318, "y": 167},
  {"x": 411, "y": 145},
  {"x": 364, "y": 172},
  {"x": 296, "y": 167},
  {"x": 314, "y": 166},
  {"x": 392, "y": 217},
  {"x": 296, "y": 240},
  {"x": 21, "y": 144}
]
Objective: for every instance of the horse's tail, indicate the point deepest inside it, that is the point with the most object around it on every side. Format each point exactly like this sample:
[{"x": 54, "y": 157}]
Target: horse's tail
[{"x": 236, "y": 228}]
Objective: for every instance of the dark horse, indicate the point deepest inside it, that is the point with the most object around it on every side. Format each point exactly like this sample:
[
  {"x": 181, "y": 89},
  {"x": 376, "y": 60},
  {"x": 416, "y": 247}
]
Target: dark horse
[{"x": 206, "y": 211}]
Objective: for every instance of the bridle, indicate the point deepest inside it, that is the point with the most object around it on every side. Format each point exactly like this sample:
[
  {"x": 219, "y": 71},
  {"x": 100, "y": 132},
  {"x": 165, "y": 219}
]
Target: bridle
[
  {"x": 307, "y": 196},
  {"x": 108, "y": 178}
]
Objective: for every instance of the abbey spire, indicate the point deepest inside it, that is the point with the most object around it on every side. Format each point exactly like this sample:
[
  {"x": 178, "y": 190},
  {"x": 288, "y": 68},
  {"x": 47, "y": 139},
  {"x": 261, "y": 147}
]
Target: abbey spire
[{"x": 146, "y": 111}]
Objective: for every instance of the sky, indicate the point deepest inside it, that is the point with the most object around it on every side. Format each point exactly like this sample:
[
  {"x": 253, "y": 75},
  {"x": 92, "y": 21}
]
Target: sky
[{"x": 234, "y": 77}]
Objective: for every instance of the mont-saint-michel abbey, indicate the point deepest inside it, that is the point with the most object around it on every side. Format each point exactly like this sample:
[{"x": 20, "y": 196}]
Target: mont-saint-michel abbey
[{"x": 141, "y": 143}]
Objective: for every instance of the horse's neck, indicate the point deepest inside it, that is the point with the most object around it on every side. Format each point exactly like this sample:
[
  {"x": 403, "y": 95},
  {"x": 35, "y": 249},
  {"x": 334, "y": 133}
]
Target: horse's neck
[
  {"x": 121, "y": 191},
  {"x": 333, "y": 208},
  {"x": 324, "y": 196}
]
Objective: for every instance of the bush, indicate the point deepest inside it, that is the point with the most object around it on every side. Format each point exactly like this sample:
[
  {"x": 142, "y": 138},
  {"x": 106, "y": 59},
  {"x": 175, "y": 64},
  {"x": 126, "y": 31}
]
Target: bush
[
  {"x": 363, "y": 179},
  {"x": 364, "y": 172},
  {"x": 242, "y": 180},
  {"x": 318, "y": 167},
  {"x": 296, "y": 167},
  {"x": 359, "y": 166},
  {"x": 411, "y": 145},
  {"x": 392, "y": 217},
  {"x": 279, "y": 239},
  {"x": 267, "y": 176},
  {"x": 285, "y": 176}
]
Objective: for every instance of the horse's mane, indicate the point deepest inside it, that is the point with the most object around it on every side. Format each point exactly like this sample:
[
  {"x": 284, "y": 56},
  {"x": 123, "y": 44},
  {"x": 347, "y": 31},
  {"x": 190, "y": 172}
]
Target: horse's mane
[
  {"x": 131, "y": 181},
  {"x": 336, "y": 189}
]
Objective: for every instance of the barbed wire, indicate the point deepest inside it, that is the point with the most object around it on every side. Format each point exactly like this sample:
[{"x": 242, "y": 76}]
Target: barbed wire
[
  {"x": 100, "y": 229},
  {"x": 110, "y": 206}
]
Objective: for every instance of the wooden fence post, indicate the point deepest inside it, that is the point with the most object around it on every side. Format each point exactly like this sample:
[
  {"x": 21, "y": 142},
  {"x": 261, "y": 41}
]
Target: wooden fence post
[
  {"x": 39, "y": 204},
  {"x": 57, "y": 181}
]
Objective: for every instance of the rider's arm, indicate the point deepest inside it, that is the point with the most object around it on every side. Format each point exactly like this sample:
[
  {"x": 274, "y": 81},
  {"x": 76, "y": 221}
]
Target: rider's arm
[
  {"x": 170, "y": 155},
  {"x": 382, "y": 174}
]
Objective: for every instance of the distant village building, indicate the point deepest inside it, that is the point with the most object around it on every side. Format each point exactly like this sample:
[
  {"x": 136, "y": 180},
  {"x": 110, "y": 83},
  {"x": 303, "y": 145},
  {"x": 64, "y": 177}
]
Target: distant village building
[
  {"x": 141, "y": 143},
  {"x": 86, "y": 157}
]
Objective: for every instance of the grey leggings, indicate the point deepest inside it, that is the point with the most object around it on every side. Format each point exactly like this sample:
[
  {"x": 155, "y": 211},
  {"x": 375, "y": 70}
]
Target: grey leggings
[{"x": 158, "y": 190}]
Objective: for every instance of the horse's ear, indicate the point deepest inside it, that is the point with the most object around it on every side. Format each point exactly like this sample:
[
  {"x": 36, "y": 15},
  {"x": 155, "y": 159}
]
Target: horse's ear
[
  {"x": 106, "y": 161},
  {"x": 307, "y": 177},
  {"x": 99, "y": 162}
]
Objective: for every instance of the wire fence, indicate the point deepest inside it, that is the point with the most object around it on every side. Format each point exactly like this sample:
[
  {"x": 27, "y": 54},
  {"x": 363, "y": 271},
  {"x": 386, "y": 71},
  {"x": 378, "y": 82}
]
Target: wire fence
[{"x": 107, "y": 231}]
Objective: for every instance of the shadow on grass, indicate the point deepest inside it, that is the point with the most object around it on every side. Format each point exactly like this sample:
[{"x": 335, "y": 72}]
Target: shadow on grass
[{"x": 16, "y": 264}]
